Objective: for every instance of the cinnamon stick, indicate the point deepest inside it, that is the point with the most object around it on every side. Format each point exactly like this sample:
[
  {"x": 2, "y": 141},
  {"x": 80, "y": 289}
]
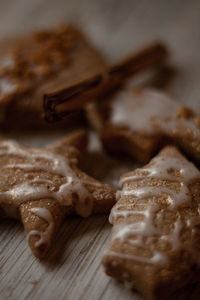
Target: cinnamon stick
[{"x": 59, "y": 104}]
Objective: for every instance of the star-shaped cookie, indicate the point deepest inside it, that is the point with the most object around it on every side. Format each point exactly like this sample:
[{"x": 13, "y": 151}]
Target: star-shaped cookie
[{"x": 42, "y": 186}]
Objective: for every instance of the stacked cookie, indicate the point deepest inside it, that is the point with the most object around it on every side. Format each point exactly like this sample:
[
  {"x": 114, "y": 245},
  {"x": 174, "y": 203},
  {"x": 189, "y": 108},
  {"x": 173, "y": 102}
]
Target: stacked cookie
[{"x": 155, "y": 214}]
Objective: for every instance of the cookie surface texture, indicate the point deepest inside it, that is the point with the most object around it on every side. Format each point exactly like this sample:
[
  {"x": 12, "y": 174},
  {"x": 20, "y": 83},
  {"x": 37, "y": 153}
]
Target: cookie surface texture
[
  {"x": 155, "y": 238},
  {"x": 43, "y": 185}
]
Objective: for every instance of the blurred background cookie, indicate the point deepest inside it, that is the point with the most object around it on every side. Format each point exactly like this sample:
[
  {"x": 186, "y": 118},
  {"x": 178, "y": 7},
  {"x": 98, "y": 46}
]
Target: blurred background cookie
[
  {"x": 41, "y": 62},
  {"x": 139, "y": 122}
]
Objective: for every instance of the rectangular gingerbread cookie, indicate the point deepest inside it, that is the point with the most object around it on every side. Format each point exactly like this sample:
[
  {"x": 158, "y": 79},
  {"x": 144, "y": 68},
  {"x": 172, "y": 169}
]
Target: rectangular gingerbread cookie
[
  {"x": 40, "y": 63},
  {"x": 156, "y": 227}
]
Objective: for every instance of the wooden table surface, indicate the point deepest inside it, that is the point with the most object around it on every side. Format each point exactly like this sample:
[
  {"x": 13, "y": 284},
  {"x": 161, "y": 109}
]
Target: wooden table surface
[{"x": 72, "y": 270}]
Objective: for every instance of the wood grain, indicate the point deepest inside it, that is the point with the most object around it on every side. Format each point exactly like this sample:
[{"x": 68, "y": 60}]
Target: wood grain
[{"x": 73, "y": 269}]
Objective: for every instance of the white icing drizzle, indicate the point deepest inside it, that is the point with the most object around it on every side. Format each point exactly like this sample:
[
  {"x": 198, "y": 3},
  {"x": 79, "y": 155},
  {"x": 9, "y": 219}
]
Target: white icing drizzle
[
  {"x": 164, "y": 167},
  {"x": 45, "y": 236},
  {"x": 156, "y": 258},
  {"x": 145, "y": 227},
  {"x": 52, "y": 163},
  {"x": 149, "y": 112}
]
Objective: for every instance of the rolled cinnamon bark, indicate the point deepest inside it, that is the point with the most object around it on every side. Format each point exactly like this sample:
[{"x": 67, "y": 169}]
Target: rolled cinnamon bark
[{"x": 61, "y": 103}]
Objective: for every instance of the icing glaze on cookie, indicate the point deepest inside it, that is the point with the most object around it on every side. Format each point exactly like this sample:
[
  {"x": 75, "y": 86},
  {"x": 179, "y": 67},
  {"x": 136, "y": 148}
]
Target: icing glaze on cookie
[
  {"x": 36, "y": 187},
  {"x": 148, "y": 112},
  {"x": 46, "y": 235},
  {"x": 156, "y": 258},
  {"x": 171, "y": 168},
  {"x": 161, "y": 168}
]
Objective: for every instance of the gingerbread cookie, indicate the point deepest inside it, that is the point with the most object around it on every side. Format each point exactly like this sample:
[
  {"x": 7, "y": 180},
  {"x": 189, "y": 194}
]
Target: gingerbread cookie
[
  {"x": 42, "y": 62},
  {"x": 140, "y": 122},
  {"x": 42, "y": 186},
  {"x": 155, "y": 239}
]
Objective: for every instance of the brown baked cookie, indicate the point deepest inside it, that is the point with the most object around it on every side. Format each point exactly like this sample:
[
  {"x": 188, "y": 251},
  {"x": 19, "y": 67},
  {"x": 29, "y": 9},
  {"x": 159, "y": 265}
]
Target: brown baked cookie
[
  {"x": 140, "y": 122},
  {"x": 42, "y": 186},
  {"x": 42, "y": 62},
  {"x": 155, "y": 243}
]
